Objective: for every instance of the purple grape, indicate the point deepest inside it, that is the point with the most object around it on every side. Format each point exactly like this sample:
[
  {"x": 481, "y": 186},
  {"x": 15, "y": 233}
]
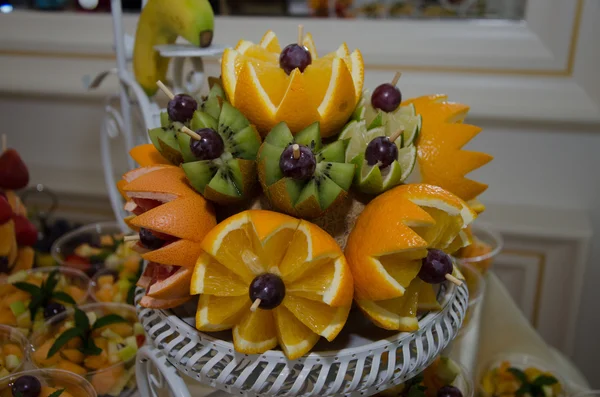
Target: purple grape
[
  {"x": 435, "y": 266},
  {"x": 301, "y": 168},
  {"x": 210, "y": 145},
  {"x": 52, "y": 309},
  {"x": 381, "y": 150},
  {"x": 294, "y": 56},
  {"x": 386, "y": 97},
  {"x": 26, "y": 386},
  {"x": 449, "y": 391},
  {"x": 4, "y": 264},
  {"x": 149, "y": 240},
  {"x": 181, "y": 108},
  {"x": 269, "y": 288}
]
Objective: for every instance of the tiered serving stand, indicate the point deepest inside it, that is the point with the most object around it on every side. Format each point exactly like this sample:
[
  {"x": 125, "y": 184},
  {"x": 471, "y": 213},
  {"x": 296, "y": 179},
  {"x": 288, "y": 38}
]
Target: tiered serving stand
[{"x": 360, "y": 362}]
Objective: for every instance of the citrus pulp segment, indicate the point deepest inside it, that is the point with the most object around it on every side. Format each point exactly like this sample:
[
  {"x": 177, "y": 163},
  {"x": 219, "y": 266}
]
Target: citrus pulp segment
[{"x": 248, "y": 245}]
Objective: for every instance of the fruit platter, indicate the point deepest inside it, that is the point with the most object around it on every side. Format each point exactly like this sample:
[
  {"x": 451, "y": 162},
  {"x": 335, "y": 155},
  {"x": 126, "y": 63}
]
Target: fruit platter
[{"x": 298, "y": 230}]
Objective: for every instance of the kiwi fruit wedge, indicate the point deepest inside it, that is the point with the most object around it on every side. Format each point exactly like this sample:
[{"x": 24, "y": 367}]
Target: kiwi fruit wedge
[
  {"x": 299, "y": 175},
  {"x": 228, "y": 178},
  {"x": 165, "y": 137}
]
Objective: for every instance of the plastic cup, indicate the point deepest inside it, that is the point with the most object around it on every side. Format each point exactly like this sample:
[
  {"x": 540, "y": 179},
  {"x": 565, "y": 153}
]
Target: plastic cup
[
  {"x": 72, "y": 383},
  {"x": 476, "y": 286},
  {"x": 487, "y": 244},
  {"x": 10, "y": 335},
  {"x": 103, "y": 380}
]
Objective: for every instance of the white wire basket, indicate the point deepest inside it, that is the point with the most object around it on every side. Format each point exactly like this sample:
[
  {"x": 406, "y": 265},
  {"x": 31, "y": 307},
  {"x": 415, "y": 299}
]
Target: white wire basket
[{"x": 362, "y": 361}]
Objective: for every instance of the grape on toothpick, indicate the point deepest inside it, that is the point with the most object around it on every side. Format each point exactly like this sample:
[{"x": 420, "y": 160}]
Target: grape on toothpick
[
  {"x": 210, "y": 145},
  {"x": 297, "y": 162},
  {"x": 266, "y": 291},
  {"x": 181, "y": 107},
  {"x": 149, "y": 240},
  {"x": 295, "y": 56},
  {"x": 437, "y": 267},
  {"x": 449, "y": 391},
  {"x": 387, "y": 97}
]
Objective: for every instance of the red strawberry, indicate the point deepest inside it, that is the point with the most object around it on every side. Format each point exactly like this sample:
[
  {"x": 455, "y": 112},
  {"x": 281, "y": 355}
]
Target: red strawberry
[
  {"x": 13, "y": 172},
  {"x": 25, "y": 231},
  {"x": 6, "y": 211}
]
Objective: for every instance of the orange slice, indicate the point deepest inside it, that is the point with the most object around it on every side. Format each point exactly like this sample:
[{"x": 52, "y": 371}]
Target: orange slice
[
  {"x": 146, "y": 155},
  {"x": 327, "y": 91},
  {"x": 442, "y": 161},
  {"x": 389, "y": 241},
  {"x": 318, "y": 282}
]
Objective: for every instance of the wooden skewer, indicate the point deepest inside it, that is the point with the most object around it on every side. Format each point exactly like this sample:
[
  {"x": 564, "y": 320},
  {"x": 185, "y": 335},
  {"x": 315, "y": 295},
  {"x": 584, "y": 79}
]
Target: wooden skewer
[
  {"x": 396, "y": 135},
  {"x": 134, "y": 237},
  {"x": 4, "y": 143},
  {"x": 300, "y": 34},
  {"x": 396, "y": 78},
  {"x": 255, "y": 305},
  {"x": 191, "y": 133},
  {"x": 165, "y": 89},
  {"x": 453, "y": 279},
  {"x": 296, "y": 151}
]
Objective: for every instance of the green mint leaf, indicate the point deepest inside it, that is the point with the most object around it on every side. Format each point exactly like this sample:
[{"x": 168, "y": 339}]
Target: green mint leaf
[
  {"x": 63, "y": 339},
  {"x": 131, "y": 295},
  {"x": 524, "y": 389},
  {"x": 101, "y": 257},
  {"x": 545, "y": 380},
  {"x": 108, "y": 320},
  {"x": 63, "y": 297},
  {"x": 520, "y": 375},
  {"x": 416, "y": 391},
  {"x": 31, "y": 289},
  {"x": 57, "y": 393},
  {"x": 90, "y": 348},
  {"x": 51, "y": 282},
  {"x": 81, "y": 320},
  {"x": 34, "y": 305}
]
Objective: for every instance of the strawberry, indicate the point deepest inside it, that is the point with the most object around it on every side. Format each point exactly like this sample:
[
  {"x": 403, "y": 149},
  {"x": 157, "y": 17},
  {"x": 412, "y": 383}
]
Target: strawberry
[
  {"x": 13, "y": 172},
  {"x": 25, "y": 231},
  {"x": 6, "y": 211}
]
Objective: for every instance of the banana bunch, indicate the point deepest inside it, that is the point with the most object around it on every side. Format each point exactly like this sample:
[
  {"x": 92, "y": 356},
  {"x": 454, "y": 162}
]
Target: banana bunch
[{"x": 161, "y": 22}]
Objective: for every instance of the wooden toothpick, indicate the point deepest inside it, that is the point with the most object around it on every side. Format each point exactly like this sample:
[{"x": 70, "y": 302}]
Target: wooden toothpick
[
  {"x": 453, "y": 279},
  {"x": 396, "y": 78},
  {"x": 165, "y": 89},
  {"x": 396, "y": 135},
  {"x": 300, "y": 34},
  {"x": 191, "y": 133},
  {"x": 296, "y": 151},
  {"x": 134, "y": 237},
  {"x": 255, "y": 305}
]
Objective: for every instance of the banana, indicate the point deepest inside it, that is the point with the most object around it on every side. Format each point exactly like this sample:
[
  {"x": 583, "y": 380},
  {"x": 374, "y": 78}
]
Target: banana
[{"x": 161, "y": 22}]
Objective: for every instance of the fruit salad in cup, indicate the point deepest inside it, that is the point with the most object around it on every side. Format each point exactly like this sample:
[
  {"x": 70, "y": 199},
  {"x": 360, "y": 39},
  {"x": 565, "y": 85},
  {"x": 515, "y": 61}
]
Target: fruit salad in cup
[
  {"x": 97, "y": 341},
  {"x": 443, "y": 378},
  {"x": 95, "y": 247},
  {"x": 116, "y": 286},
  {"x": 29, "y": 298},
  {"x": 515, "y": 379},
  {"x": 45, "y": 383},
  {"x": 13, "y": 350}
]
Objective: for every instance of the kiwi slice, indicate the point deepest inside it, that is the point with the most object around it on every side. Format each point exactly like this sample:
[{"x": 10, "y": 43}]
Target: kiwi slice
[
  {"x": 214, "y": 101},
  {"x": 229, "y": 177},
  {"x": 165, "y": 141},
  {"x": 293, "y": 186}
]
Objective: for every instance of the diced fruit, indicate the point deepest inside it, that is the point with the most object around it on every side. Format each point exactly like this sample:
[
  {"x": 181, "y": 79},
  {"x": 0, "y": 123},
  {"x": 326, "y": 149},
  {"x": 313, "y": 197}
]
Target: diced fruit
[
  {"x": 3, "y": 372},
  {"x": 72, "y": 355},
  {"x": 71, "y": 367},
  {"x": 12, "y": 362},
  {"x": 104, "y": 381},
  {"x": 111, "y": 335},
  {"x": 127, "y": 353},
  {"x": 106, "y": 280},
  {"x": 92, "y": 317},
  {"x": 96, "y": 362},
  {"x": 140, "y": 340},
  {"x": 138, "y": 329},
  {"x": 40, "y": 355},
  {"x": 12, "y": 349},
  {"x": 17, "y": 277},
  {"x": 18, "y": 308}
]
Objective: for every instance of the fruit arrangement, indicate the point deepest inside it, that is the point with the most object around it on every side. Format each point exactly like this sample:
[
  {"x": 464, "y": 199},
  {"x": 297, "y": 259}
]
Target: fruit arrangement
[
  {"x": 45, "y": 383},
  {"x": 262, "y": 257},
  {"x": 437, "y": 380},
  {"x": 507, "y": 380},
  {"x": 29, "y": 298},
  {"x": 98, "y": 342},
  {"x": 17, "y": 233}
]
